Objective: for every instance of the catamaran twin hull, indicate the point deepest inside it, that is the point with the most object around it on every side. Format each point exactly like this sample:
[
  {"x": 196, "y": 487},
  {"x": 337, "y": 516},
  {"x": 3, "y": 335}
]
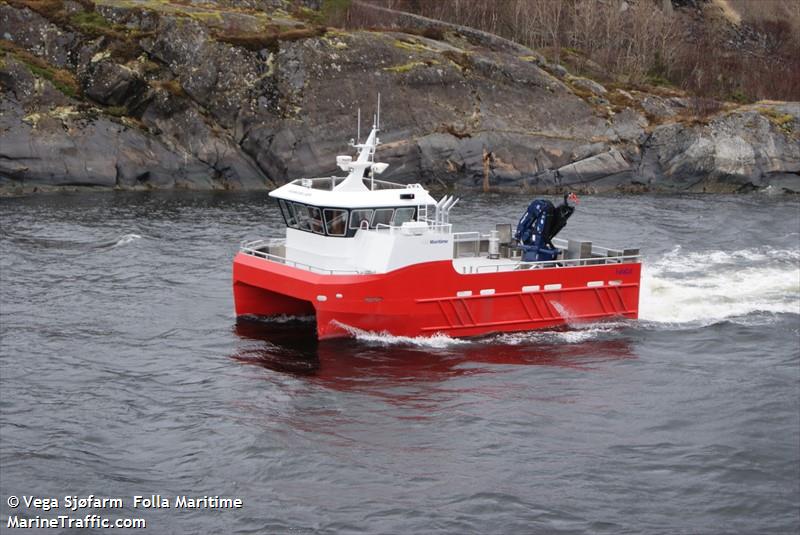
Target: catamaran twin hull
[
  {"x": 367, "y": 254},
  {"x": 429, "y": 298}
]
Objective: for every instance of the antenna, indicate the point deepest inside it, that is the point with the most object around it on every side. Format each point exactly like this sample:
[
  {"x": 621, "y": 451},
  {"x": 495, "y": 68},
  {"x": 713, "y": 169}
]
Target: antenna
[
  {"x": 358, "y": 131},
  {"x": 378, "y": 121}
]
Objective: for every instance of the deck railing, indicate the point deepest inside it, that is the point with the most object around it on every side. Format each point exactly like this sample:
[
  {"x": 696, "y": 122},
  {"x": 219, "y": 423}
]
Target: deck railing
[
  {"x": 267, "y": 250},
  {"x": 572, "y": 262},
  {"x": 256, "y": 248},
  {"x": 330, "y": 182},
  {"x": 436, "y": 228}
]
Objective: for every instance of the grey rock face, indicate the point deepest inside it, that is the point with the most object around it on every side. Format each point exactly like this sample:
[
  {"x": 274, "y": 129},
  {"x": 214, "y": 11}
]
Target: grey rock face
[
  {"x": 112, "y": 84},
  {"x": 628, "y": 126},
  {"x": 589, "y": 85},
  {"x": 30, "y": 30},
  {"x": 738, "y": 151},
  {"x": 559, "y": 70},
  {"x": 230, "y": 167},
  {"x": 224, "y": 79},
  {"x": 132, "y": 18},
  {"x": 38, "y": 149},
  {"x": 593, "y": 168},
  {"x": 198, "y": 112},
  {"x": 18, "y": 83}
]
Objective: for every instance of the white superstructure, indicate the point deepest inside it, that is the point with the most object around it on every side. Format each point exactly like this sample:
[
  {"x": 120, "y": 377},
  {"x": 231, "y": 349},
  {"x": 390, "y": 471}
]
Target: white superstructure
[{"x": 357, "y": 223}]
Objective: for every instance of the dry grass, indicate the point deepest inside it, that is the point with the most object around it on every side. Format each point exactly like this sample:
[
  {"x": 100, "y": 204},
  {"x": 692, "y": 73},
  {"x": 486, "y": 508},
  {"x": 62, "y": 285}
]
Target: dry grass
[
  {"x": 756, "y": 58},
  {"x": 124, "y": 44},
  {"x": 727, "y": 11},
  {"x": 173, "y": 87},
  {"x": 704, "y": 107},
  {"x": 461, "y": 59},
  {"x": 62, "y": 79},
  {"x": 457, "y": 131},
  {"x": 254, "y": 42},
  {"x": 750, "y": 11},
  {"x": 270, "y": 39},
  {"x": 52, "y": 10},
  {"x": 435, "y": 34},
  {"x": 784, "y": 121},
  {"x": 88, "y": 21}
]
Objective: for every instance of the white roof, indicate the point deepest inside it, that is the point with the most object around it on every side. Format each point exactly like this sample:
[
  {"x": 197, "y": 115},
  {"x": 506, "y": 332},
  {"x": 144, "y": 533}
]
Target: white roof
[
  {"x": 354, "y": 191},
  {"x": 412, "y": 195}
]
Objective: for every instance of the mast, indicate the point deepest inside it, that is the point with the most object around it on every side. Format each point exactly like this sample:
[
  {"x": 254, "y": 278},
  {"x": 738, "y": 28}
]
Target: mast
[{"x": 366, "y": 157}]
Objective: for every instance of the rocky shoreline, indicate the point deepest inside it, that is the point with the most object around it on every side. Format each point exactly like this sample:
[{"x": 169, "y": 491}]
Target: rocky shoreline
[{"x": 246, "y": 95}]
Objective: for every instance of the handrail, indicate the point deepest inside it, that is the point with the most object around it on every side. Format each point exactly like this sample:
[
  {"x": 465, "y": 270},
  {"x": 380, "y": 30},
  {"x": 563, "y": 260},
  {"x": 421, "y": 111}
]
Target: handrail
[
  {"x": 466, "y": 236},
  {"x": 252, "y": 248},
  {"x": 598, "y": 261},
  {"x": 445, "y": 228},
  {"x": 262, "y": 242},
  {"x": 330, "y": 182}
]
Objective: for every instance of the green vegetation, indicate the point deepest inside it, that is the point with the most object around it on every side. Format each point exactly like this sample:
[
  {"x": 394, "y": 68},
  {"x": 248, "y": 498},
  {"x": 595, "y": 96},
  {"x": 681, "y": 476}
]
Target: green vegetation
[
  {"x": 62, "y": 79},
  {"x": 334, "y": 11},
  {"x": 784, "y": 121},
  {"x": 412, "y": 46},
  {"x": 406, "y": 67},
  {"x": 658, "y": 80},
  {"x": 738, "y": 96},
  {"x": 460, "y": 59},
  {"x": 202, "y": 12},
  {"x": 90, "y": 21},
  {"x": 269, "y": 40},
  {"x": 206, "y": 17},
  {"x": 308, "y": 15},
  {"x": 117, "y": 111},
  {"x": 52, "y": 10},
  {"x": 250, "y": 41}
]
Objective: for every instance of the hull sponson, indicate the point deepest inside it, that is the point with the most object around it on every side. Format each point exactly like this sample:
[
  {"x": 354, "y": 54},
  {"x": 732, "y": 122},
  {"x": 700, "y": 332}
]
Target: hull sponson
[
  {"x": 422, "y": 300},
  {"x": 255, "y": 301}
]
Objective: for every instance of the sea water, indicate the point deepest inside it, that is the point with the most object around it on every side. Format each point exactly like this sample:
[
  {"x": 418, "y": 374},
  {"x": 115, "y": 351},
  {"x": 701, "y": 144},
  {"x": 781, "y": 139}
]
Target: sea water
[{"x": 123, "y": 373}]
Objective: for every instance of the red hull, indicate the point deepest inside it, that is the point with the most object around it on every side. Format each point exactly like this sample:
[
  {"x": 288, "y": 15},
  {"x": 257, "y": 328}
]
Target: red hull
[{"x": 421, "y": 300}]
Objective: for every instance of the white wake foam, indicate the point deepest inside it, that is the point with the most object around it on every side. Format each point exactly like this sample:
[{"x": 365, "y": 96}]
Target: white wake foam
[
  {"x": 126, "y": 239},
  {"x": 437, "y": 341},
  {"x": 679, "y": 288},
  {"x": 576, "y": 334},
  {"x": 717, "y": 285}
]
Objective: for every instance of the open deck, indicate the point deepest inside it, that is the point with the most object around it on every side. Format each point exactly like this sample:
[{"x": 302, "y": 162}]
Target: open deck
[{"x": 470, "y": 255}]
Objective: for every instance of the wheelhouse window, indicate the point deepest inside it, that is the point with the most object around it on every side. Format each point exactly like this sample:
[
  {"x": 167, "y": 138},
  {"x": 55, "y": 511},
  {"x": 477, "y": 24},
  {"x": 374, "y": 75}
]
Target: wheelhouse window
[
  {"x": 402, "y": 215},
  {"x": 357, "y": 216},
  {"x": 315, "y": 219},
  {"x": 335, "y": 222},
  {"x": 288, "y": 213},
  {"x": 383, "y": 216},
  {"x": 301, "y": 216}
]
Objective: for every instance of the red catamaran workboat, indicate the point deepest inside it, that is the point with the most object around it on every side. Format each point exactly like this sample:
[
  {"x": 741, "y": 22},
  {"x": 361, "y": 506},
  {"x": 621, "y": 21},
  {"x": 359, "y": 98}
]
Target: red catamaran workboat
[{"x": 365, "y": 254}]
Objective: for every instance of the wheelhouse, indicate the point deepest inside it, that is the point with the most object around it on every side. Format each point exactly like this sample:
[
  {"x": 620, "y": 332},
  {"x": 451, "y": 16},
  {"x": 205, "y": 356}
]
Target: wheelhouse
[{"x": 342, "y": 222}]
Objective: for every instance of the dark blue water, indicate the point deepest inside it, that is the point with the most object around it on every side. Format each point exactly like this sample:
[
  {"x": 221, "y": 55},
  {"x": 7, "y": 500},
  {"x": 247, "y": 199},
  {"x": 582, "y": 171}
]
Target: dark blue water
[{"x": 122, "y": 373}]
